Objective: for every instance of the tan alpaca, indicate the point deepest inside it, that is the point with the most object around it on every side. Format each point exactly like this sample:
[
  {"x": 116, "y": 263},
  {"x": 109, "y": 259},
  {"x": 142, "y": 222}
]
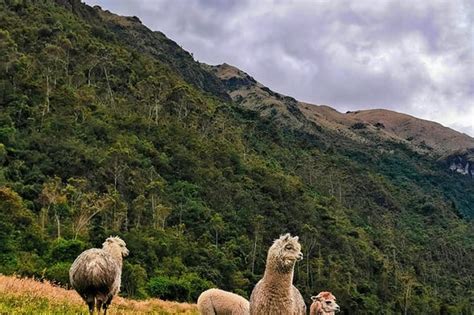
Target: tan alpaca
[
  {"x": 275, "y": 293},
  {"x": 220, "y": 302},
  {"x": 324, "y": 304}
]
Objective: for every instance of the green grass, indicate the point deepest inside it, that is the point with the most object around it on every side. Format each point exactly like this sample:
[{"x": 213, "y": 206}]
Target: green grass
[{"x": 10, "y": 304}]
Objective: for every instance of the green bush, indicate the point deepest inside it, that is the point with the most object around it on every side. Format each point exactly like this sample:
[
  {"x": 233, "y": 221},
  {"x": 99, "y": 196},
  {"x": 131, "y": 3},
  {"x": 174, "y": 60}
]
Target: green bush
[
  {"x": 134, "y": 280},
  {"x": 3, "y": 153},
  {"x": 184, "y": 288},
  {"x": 194, "y": 285},
  {"x": 8, "y": 263},
  {"x": 29, "y": 265},
  {"x": 163, "y": 287},
  {"x": 66, "y": 250},
  {"x": 59, "y": 273}
]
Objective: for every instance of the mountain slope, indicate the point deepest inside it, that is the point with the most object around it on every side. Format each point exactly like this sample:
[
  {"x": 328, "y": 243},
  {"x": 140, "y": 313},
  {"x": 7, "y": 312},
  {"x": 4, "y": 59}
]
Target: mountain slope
[
  {"x": 421, "y": 135},
  {"x": 442, "y": 147},
  {"x": 131, "y": 32},
  {"x": 426, "y": 136},
  {"x": 101, "y": 136},
  {"x": 453, "y": 148}
]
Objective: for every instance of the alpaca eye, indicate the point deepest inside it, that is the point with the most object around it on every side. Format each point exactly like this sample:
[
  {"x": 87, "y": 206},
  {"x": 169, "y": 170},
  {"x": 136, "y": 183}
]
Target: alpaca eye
[
  {"x": 289, "y": 247},
  {"x": 328, "y": 302}
]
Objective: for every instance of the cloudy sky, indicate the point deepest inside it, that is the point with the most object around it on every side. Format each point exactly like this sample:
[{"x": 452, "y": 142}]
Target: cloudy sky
[{"x": 415, "y": 57}]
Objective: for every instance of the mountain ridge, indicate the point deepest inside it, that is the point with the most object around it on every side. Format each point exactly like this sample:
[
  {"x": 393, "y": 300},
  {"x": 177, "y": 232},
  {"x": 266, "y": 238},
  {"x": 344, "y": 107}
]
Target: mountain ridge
[
  {"x": 442, "y": 148},
  {"x": 423, "y": 136}
]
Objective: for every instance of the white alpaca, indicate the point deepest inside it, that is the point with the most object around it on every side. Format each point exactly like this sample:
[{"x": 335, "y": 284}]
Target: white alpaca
[
  {"x": 96, "y": 273},
  {"x": 275, "y": 292},
  {"x": 220, "y": 302},
  {"x": 324, "y": 304}
]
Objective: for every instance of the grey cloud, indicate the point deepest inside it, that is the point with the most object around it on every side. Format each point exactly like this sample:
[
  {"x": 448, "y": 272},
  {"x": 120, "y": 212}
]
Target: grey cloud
[{"x": 413, "y": 57}]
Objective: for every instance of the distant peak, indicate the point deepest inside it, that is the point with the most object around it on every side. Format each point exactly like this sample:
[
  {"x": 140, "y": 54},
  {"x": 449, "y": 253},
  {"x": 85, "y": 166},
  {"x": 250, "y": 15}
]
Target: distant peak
[
  {"x": 226, "y": 71},
  {"x": 125, "y": 21}
]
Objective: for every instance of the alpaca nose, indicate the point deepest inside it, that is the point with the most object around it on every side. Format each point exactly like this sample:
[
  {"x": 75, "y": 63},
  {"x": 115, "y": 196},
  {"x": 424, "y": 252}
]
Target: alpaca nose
[
  {"x": 300, "y": 256},
  {"x": 338, "y": 309}
]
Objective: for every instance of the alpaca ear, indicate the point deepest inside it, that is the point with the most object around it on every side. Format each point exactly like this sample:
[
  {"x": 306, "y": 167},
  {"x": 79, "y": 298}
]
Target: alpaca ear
[
  {"x": 285, "y": 237},
  {"x": 296, "y": 238}
]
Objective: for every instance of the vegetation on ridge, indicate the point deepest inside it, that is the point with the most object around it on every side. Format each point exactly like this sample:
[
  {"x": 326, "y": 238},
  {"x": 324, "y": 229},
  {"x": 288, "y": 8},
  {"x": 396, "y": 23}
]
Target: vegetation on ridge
[{"x": 98, "y": 137}]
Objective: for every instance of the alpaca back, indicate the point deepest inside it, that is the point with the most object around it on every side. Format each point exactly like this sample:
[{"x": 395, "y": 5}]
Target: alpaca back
[
  {"x": 220, "y": 302},
  {"x": 95, "y": 272},
  {"x": 299, "y": 304}
]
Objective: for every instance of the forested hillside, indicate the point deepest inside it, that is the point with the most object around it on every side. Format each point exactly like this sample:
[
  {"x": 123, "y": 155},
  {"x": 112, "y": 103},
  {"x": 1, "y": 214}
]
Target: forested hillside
[{"x": 104, "y": 135}]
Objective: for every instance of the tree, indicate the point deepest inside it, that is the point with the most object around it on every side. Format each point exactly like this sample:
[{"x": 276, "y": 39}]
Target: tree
[
  {"x": 16, "y": 222},
  {"x": 257, "y": 231},
  {"x": 116, "y": 161},
  {"x": 8, "y": 50},
  {"x": 52, "y": 197},
  {"x": 409, "y": 282},
  {"x": 84, "y": 205},
  {"x": 159, "y": 211},
  {"x": 217, "y": 224},
  {"x": 309, "y": 241},
  {"x": 52, "y": 61},
  {"x": 151, "y": 92}
]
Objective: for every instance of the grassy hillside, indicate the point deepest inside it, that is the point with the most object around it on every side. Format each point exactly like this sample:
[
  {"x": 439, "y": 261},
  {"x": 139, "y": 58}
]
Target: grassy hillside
[
  {"x": 29, "y": 296},
  {"x": 101, "y": 136}
]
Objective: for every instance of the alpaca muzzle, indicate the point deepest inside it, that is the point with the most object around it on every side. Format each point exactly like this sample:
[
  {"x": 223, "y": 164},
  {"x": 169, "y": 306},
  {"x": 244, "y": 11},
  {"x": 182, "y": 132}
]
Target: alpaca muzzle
[{"x": 300, "y": 256}]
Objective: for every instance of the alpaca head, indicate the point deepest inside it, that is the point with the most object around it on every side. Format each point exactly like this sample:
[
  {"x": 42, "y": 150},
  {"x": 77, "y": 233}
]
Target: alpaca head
[
  {"x": 327, "y": 302},
  {"x": 116, "y": 245},
  {"x": 284, "y": 252}
]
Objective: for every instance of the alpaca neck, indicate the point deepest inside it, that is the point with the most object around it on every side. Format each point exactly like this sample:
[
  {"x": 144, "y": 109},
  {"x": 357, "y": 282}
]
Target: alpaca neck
[
  {"x": 116, "y": 253},
  {"x": 280, "y": 277}
]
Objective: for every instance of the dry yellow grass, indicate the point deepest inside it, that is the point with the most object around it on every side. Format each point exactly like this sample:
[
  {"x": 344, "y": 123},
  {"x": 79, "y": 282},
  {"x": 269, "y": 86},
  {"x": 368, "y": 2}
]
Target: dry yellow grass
[{"x": 25, "y": 296}]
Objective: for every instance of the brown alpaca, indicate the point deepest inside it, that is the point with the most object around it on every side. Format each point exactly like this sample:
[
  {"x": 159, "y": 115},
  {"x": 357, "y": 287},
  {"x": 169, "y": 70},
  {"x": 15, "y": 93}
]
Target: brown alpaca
[
  {"x": 275, "y": 293},
  {"x": 324, "y": 304},
  {"x": 96, "y": 273},
  {"x": 220, "y": 302}
]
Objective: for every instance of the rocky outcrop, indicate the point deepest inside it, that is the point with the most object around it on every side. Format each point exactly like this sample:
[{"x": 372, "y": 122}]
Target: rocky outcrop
[
  {"x": 250, "y": 94},
  {"x": 462, "y": 163}
]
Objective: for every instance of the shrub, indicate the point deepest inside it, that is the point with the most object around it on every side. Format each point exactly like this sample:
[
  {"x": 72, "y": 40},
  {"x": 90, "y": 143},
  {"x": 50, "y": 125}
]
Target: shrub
[
  {"x": 66, "y": 250},
  {"x": 358, "y": 125},
  {"x": 134, "y": 280},
  {"x": 185, "y": 288},
  {"x": 59, "y": 273}
]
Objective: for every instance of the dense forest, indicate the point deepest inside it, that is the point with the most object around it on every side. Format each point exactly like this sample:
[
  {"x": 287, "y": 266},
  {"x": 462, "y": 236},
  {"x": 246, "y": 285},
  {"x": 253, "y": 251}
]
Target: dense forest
[{"x": 107, "y": 128}]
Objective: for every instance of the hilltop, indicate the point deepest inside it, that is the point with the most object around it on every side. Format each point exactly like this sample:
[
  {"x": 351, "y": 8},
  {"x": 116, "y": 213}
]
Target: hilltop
[
  {"x": 364, "y": 126},
  {"x": 108, "y": 128}
]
